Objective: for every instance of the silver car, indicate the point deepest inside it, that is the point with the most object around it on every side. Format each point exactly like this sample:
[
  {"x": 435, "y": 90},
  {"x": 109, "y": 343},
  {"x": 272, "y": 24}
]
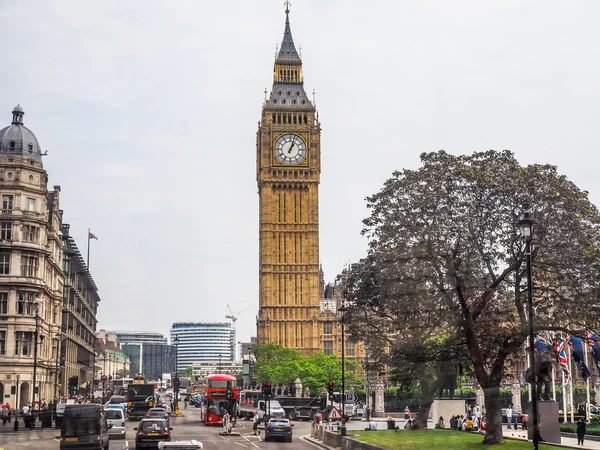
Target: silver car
[{"x": 116, "y": 418}]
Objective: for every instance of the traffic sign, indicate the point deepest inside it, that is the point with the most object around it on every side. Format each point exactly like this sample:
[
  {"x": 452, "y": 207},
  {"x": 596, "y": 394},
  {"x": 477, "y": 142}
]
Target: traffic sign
[
  {"x": 351, "y": 397},
  {"x": 334, "y": 414}
]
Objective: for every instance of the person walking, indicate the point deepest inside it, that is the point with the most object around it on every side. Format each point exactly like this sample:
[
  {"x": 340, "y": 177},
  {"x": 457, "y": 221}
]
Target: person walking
[
  {"x": 255, "y": 421},
  {"x": 406, "y": 413},
  {"x": 581, "y": 430},
  {"x": 509, "y": 413}
]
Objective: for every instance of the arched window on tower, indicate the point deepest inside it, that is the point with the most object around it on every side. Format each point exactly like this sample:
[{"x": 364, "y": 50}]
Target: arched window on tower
[
  {"x": 274, "y": 118},
  {"x": 281, "y": 76},
  {"x": 278, "y": 118},
  {"x": 294, "y": 117},
  {"x": 305, "y": 119},
  {"x": 12, "y": 144},
  {"x": 283, "y": 101},
  {"x": 285, "y": 117},
  {"x": 294, "y": 101}
]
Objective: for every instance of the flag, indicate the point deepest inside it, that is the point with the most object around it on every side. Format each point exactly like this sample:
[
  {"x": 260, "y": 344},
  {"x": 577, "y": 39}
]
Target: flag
[
  {"x": 577, "y": 351},
  {"x": 92, "y": 236},
  {"x": 559, "y": 348},
  {"x": 595, "y": 347}
]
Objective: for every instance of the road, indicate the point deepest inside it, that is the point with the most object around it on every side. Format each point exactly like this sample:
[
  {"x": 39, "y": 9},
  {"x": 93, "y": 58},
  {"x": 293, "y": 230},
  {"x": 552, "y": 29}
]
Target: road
[{"x": 188, "y": 427}]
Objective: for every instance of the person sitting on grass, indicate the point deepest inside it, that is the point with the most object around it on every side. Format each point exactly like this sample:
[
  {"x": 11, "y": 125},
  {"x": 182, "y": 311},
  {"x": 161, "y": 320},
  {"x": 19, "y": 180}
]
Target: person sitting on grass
[
  {"x": 372, "y": 426},
  {"x": 469, "y": 426},
  {"x": 453, "y": 422},
  {"x": 408, "y": 424},
  {"x": 440, "y": 424},
  {"x": 391, "y": 424}
]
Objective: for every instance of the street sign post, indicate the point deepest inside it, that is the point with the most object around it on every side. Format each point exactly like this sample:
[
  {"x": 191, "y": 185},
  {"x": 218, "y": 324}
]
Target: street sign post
[{"x": 351, "y": 397}]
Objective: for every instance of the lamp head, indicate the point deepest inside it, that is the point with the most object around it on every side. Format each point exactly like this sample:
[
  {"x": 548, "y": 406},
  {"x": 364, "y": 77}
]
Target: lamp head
[{"x": 527, "y": 223}]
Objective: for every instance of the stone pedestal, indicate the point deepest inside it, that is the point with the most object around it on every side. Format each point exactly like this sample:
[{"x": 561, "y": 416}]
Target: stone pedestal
[
  {"x": 548, "y": 421},
  {"x": 516, "y": 397},
  {"x": 446, "y": 408},
  {"x": 379, "y": 400}
]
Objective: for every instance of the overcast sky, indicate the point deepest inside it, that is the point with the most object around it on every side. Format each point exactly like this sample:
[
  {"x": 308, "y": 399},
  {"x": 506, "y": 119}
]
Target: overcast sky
[{"x": 149, "y": 109}]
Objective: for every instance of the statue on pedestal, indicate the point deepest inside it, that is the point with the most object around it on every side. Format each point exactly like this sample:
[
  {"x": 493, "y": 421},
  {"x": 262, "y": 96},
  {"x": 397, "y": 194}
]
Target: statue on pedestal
[{"x": 544, "y": 362}]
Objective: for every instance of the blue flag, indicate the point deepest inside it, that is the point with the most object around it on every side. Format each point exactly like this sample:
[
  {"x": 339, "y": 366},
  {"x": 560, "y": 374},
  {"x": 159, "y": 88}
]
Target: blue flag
[
  {"x": 595, "y": 347},
  {"x": 577, "y": 351}
]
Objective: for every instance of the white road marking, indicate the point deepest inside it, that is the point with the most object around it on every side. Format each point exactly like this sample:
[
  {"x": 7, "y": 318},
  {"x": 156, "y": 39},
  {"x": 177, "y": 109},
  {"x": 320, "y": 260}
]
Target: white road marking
[
  {"x": 242, "y": 445},
  {"x": 126, "y": 444}
]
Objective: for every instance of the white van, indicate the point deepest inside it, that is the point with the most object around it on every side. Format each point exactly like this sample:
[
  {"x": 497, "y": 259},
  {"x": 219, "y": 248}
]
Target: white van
[{"x": 116, "y": 418}]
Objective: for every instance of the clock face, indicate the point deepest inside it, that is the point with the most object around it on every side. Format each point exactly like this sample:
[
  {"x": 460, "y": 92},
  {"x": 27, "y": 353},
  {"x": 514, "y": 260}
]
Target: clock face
[{"x": 290, "y": 149}]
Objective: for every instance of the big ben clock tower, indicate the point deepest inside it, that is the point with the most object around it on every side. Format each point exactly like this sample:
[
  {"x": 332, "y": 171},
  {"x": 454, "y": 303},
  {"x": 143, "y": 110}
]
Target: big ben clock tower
[{"x": 288, "y": 167}]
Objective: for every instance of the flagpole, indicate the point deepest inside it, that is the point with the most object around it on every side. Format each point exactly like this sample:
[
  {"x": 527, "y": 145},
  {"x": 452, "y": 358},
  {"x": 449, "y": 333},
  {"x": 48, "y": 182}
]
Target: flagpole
[
  {"x": 88, "y": 252},
  {"x": 564, "y": 393},
  {"x": 587, "y": 382},
  {"x": 571, "y": 385},
  {"x": 553, "y": 383}
]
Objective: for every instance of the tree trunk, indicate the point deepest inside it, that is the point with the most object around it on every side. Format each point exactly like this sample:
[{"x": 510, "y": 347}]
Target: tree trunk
[
  {"x": 420, "y": 423},
  {"x": 493, "y": 415}
]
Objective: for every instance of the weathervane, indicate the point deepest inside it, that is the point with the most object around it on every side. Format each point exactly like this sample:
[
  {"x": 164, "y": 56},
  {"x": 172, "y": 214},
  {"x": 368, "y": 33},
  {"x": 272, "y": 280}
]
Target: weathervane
[{"x": 287, "y": 5}]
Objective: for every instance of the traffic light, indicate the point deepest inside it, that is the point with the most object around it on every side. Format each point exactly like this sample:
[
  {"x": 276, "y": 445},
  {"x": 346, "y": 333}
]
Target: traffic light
[
  {"x": 72, "y": 385},
  {"x": 176, "y": 384},
  {"x": 266, "y": 388},
  {"x": 229, "y": 390},
  {"x": 330, "y": 388}
]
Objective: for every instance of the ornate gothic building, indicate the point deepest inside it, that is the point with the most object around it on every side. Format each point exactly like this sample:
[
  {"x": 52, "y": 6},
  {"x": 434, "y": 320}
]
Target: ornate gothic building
[{"x": 288, "y": 171}]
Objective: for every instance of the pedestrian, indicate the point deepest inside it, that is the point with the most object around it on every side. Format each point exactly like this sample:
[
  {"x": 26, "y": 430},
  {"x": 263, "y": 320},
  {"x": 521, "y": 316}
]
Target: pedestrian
[
  {"x": 255, "y": 421},
  {"x": 406, "y": 413},
  {"x": 4, "y": 414},
  {"x": 509, "y": 413},
  {"x": 581, "y": 430}
]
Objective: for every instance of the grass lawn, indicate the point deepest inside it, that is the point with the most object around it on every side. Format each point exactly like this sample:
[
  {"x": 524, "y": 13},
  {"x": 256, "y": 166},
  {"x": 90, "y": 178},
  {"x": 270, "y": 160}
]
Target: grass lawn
[{"x": 433, "y": 439}]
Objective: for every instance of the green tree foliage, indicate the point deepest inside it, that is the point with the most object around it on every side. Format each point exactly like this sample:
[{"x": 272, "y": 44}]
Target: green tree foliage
[
  {"x": 188, "y": 372},
  {"x": 446, "y": 252},
  {"x": 282, "y": 366}
]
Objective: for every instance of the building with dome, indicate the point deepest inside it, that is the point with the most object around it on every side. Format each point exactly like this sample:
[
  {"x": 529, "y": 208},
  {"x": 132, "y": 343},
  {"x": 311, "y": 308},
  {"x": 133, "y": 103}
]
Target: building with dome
[{"x": 31, "y": 273}]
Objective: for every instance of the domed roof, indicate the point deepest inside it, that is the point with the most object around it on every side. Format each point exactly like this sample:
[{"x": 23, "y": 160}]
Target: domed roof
[{"x": 18, "y": 139}]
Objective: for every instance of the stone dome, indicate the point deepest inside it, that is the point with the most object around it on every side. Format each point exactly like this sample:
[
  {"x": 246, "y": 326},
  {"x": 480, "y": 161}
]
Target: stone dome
[{"x": 17, "y": 139}]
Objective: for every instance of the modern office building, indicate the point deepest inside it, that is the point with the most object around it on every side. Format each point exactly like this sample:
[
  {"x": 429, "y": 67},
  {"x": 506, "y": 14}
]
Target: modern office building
[
  {"x": 150, "y": 360},
  {"x": 132, "y": 337},
  {"x": 203, "y": 342},
  {"x": 31, "y": 275}
]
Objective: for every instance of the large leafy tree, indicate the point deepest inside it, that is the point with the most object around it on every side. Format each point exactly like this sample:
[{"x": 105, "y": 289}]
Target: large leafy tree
[
  {"x": 445, "y": 246},
  {"x": 282, "y": 366}
]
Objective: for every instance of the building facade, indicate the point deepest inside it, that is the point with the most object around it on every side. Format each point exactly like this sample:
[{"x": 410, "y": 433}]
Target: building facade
[
  {"x": 31, "y": 276},
  {"x": 288, "y": 171},
  {"x": 111, "y": 361},
  {"x": 79, "y": 312},
  {"x": 132, "y": 337},
  {"x": 150, "y": 360},
  {"x": 203, "y": 342}
]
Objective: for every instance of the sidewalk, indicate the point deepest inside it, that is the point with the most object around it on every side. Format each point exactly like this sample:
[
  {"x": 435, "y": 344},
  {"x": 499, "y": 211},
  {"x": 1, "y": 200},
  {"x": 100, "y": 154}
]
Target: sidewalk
[{"x": 571, "y": 442}]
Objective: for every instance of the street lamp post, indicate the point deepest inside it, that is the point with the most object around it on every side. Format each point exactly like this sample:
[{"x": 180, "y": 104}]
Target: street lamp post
[
  {"x": 57, "y": 342},
  {"x": 526, "y": 225},
  {"x": 176, "y": 342},
  {"x": 35, "y": 345},
  {"x": 342, "y": 310}
]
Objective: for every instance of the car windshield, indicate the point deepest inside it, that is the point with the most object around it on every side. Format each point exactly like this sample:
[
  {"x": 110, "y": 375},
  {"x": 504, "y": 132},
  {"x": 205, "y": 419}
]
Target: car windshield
[
  {"x": 279, "y": 423},
  {"x": 156, "y": 412},
  {"x": 274, "y": 404},
  {"x": 114, "y": 414},
  {"x": 153, "y": 425}
]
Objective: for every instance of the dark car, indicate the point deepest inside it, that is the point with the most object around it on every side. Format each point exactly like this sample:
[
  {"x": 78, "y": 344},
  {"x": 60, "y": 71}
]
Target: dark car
[
  {"x": 150, "y": 432},
  {"x": 84, "y": 427},
  {"x": 279, "y": 427},
  {"x": 159, "y": 413}
]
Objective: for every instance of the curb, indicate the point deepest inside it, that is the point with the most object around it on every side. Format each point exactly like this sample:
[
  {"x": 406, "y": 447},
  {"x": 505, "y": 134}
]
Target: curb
[{"x": 316, "y": 442}]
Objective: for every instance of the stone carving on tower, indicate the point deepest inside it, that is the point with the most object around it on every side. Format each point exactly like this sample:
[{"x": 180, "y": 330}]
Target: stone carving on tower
[{"x": 288, "y": 167}]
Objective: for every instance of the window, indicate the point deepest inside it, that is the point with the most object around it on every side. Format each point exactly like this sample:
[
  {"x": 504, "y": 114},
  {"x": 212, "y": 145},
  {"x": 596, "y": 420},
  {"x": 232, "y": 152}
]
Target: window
[
  {"x": 30, "y": 204},
  {"x": 4, "y": 263},
  {"x": 3, "y": 342},
  {"x": 23, "y": 343},
  {"x": 328, "y": 328},
  {"x": 12, "y": 144},
  {"x": 349, "y": 348},
  {"x": 29, "y": 265},
  {"x": 25, "y": 303},
  {"x": 7, "y": 202},
  {"x": 6, "y": 231},
  {"x": 30, "y": 233},
  {"x": 328, "y": 347},
  {"x": 30, "y": 147},
  {"x": 3, "y": 302}
]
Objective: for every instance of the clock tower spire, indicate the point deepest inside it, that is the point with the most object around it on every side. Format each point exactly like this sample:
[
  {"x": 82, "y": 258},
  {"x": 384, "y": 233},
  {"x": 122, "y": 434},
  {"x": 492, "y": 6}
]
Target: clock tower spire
[{"x": 288, "y": 172}]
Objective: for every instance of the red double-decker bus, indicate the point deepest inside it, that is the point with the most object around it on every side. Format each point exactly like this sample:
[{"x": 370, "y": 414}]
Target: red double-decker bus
[{"x": 220, "y": 395}]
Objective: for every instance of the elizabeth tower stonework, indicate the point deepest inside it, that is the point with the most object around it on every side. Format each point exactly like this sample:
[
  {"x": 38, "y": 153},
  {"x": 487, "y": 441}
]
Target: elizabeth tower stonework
[{"x": 288, "y": 167}]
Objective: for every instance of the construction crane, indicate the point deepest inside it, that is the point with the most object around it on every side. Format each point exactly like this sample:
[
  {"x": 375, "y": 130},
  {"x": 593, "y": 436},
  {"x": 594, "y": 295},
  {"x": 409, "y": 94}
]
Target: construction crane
[{"x": 234, "y": 317}]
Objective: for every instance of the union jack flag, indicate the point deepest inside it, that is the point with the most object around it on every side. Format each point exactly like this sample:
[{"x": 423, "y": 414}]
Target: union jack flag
[{"x": 559, "y": 347}]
